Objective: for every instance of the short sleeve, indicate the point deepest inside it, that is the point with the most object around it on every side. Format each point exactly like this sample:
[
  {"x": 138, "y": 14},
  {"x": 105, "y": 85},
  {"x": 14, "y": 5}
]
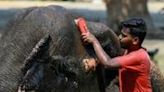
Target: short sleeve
[{"x": 130, "y": 61}]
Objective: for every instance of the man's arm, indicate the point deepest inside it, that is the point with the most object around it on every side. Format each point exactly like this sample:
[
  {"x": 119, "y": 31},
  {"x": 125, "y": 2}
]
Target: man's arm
[{"x": 102, "y": 56}]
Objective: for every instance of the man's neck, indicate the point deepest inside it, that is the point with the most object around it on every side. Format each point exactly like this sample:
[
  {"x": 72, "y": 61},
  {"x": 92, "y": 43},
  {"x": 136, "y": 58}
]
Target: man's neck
[{"x": 133, "y": 48}]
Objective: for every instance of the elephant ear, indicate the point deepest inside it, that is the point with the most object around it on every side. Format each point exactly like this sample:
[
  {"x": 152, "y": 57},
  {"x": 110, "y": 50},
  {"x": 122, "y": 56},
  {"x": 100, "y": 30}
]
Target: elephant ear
[
  {"x": 32, "y": 70},
  {"x": 107, "y": 38}
]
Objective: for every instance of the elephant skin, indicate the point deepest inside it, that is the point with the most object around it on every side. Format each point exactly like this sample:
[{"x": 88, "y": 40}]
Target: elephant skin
[{"x": 41, "y": 51}]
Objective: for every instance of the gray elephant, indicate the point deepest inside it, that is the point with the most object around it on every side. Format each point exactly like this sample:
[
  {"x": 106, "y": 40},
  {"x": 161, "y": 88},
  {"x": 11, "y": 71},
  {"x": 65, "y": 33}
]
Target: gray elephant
[{"x": 41, "y": 51}]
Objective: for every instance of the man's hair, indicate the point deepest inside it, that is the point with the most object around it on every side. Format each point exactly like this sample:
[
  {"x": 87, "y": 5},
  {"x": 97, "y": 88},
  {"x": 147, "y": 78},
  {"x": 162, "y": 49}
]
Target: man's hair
[{"x": 137, "y": 27}]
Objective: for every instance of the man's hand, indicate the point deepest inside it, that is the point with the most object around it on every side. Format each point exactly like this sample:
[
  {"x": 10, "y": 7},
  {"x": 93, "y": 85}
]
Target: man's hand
[
  {"x": 90, "y": 64},
  {"x": 88, "y": 38}
]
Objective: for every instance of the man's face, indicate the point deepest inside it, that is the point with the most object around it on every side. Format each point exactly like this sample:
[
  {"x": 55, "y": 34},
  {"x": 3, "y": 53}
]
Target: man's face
[{"x": 126, "y": 39}]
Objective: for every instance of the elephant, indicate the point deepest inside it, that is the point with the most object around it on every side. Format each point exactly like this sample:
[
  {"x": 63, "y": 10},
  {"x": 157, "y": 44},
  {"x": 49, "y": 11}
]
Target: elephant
[{"x": 41, "y": 51}]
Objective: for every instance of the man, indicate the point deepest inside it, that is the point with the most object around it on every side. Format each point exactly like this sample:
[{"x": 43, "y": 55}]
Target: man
[{"x": 134, "y": 66}]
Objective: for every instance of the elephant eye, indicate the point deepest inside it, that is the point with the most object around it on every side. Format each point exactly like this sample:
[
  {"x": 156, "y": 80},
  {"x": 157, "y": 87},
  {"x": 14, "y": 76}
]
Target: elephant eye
[{"x": 122, "y": 35}]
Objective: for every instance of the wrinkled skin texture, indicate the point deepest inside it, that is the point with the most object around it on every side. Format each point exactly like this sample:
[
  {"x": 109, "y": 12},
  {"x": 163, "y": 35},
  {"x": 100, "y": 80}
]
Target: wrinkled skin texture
[
  {"x": 55, "y": 66},
  {"x": 157, "y": 78}
]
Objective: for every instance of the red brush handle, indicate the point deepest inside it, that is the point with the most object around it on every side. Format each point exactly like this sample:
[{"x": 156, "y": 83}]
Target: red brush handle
[{"x": 82, "y": 25}]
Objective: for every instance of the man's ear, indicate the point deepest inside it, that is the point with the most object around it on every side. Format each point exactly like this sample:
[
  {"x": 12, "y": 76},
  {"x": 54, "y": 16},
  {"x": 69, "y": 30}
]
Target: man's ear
[{"x": 135, "y": 40}]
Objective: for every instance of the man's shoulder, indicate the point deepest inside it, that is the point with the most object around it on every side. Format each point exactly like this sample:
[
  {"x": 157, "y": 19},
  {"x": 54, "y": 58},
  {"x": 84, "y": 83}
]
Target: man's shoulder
[
  {"x": 140, "y": 54},
  {"x": 143, "y": 54},
  {"x": 140, "y": 51}
]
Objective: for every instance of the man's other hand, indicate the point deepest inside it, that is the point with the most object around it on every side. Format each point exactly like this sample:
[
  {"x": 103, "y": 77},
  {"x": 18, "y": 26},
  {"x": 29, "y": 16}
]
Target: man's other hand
[{"x": 90, "y": 64}]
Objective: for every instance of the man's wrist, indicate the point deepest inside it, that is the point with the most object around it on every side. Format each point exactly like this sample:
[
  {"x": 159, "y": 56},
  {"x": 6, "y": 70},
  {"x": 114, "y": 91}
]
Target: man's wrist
[{"x": 95, "y": 41}]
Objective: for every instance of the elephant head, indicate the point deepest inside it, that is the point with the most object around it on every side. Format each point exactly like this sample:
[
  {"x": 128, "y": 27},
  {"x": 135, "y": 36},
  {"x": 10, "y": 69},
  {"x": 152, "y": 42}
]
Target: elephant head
[{"x": 41, "y": 50}]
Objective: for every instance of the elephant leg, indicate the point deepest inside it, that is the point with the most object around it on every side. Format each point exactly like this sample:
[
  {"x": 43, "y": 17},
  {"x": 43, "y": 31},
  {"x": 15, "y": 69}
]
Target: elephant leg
[
  {"x": 113, "y": 86},
  {"x": 157, "y": 78},
  {"x": 100, "y": 78},
  {"x": 107, "y": 79}
]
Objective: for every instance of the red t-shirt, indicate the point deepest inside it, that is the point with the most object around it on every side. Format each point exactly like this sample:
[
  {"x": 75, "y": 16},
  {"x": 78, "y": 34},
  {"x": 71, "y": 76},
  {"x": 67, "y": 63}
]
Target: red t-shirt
[{"x": 134, "y": 74}]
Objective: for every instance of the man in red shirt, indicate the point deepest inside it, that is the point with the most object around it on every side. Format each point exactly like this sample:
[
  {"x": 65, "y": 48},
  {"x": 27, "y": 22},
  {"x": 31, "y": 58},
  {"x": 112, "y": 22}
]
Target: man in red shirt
[{"x": 134, "y": 66}]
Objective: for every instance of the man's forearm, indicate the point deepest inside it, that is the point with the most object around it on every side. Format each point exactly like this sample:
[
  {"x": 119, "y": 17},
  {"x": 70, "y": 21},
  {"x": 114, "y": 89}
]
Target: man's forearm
[{"x": 104, "y": 59}]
